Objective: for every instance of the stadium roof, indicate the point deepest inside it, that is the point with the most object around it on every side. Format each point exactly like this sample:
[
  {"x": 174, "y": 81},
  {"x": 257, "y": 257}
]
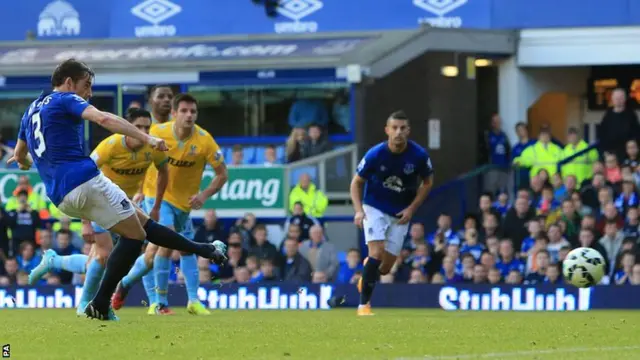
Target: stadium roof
[{"x": 378, "y": 52}]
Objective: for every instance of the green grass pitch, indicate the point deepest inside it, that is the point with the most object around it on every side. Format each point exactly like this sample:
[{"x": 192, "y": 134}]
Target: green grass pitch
[{"x": 334, "y": 334}]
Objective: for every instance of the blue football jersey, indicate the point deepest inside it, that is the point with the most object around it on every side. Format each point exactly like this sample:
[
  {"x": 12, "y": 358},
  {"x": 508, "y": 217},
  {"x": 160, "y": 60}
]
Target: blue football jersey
[
  {"x": 392, "y": 180},
  {"x": 52, "y": 128}
]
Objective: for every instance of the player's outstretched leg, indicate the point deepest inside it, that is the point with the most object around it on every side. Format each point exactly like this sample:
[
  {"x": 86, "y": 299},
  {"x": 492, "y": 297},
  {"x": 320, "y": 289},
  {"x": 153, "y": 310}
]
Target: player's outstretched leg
[{"x": 51, "y": 261}]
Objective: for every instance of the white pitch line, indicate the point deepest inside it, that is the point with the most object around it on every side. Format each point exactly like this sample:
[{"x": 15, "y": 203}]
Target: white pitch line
[{"x": 522, "y": 353}]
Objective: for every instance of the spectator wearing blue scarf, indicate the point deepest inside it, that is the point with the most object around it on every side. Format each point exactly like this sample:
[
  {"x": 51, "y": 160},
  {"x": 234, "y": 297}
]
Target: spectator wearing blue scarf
[{"x": 628, "y": 198}]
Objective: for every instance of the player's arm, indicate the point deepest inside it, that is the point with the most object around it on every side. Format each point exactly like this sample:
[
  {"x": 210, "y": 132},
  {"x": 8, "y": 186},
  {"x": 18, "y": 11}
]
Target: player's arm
[
  {"x": 356, "y": 189},
  {"x": 422, "y": 193},
  {"x": 118, "y": 125},
  {"x": 216, "y": 160},
  {"x": 21, "y": 151},
  {"x": 222, "y": 175},
  {"x": 162, "y": 183}
]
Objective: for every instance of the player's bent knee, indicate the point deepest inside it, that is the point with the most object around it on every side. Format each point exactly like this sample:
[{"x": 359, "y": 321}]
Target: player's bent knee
[
  {"x": 376, "y": 249},
  {"x": 164, "y": 252}
]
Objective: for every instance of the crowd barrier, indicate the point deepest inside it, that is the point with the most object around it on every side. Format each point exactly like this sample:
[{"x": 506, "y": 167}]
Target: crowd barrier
[{"x": 288, "y": 296}]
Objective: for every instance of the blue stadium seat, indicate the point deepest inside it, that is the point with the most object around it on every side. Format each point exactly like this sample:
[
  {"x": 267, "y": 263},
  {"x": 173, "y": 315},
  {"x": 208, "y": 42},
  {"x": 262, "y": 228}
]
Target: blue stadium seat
[
  {"x": 281, "y": 154},
  {"x": 226, "y": 152},
  {"x": 259, "y": 156},
  {"x": 249, "y": 155}
]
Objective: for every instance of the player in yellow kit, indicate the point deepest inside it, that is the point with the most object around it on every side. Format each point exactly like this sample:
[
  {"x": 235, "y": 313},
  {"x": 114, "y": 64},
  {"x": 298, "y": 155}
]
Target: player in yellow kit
[
  {"x": 191, "y": 148},
  {"x": 124, "y": 161}
]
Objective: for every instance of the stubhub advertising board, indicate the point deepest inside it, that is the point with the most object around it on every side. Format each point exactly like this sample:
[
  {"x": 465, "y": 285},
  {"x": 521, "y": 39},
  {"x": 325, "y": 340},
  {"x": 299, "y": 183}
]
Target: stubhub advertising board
[{"x": 286, "y": 296}]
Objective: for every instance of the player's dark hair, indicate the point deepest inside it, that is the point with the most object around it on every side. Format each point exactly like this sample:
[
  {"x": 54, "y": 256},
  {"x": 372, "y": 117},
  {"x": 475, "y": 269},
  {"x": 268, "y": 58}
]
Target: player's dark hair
[
  {"x": 71, "y": 68},
  {"x": 153, "y": 89},
  {"x": 134, "y": 113},
  {"x": 180, "y": 98},
  {"x": 399, "y": 115}
]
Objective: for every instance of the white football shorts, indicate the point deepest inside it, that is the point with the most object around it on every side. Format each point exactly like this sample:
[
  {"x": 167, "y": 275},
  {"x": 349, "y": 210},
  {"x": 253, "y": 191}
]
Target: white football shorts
[
  {"x": 380, "y": 226},
  {"x": 98, "y": 200}
]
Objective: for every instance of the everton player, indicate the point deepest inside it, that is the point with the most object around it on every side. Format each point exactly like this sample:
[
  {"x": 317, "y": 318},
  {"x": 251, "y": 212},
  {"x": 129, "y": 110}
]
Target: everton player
[
  {"x": 51, "y": 132},
  {"x": 395, "y": 177}
]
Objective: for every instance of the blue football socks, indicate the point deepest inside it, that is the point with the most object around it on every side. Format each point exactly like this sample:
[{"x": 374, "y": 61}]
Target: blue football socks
[
  {"x": 138, "y": 270},
  {"x": 161, "y": 268},
  {"x": 76, "y": 264},
  {"x": 149, "y": 282},
  {"x": 189, "y": 268},
  {"x": 91, "y": 280}
]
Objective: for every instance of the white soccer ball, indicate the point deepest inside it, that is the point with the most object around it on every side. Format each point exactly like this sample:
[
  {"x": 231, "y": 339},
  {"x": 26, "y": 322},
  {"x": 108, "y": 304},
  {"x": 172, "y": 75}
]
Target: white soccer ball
[{"x": 583, "y": 267}]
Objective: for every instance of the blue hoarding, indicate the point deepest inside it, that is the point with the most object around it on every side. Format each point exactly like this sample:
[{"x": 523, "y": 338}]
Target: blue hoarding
[
  {"x": 81, "y": 19},
  {"x": 288, "y": 296}
]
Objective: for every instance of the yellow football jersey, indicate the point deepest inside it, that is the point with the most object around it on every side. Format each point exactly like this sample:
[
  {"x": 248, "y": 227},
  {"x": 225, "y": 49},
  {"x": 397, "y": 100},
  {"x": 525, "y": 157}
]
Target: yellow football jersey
[
  {"x": 186, "y": 163},
  {"x": 126, "y": 167}
]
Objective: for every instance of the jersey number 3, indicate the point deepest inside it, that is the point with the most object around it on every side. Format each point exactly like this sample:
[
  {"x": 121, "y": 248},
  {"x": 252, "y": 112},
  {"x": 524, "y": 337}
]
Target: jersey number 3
[{"x": 37, "y": 134}]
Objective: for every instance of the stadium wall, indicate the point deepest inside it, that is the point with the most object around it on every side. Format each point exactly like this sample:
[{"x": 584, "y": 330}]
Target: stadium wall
[{"x": 288, "y": 296}]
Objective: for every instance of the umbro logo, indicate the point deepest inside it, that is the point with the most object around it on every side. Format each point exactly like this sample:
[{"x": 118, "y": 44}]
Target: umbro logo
[
  {"x": 298, "y": 9},
  {"x": 156, "y": 11},
  {"x": 439, "y": 7}
]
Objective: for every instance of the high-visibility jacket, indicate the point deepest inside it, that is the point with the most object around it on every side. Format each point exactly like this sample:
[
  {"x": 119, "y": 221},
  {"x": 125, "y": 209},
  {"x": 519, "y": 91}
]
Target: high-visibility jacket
[
  {"x": 582, "y": 166},
  {"x": 313, "y": 201},
  {"x": 539, "y": 156}
]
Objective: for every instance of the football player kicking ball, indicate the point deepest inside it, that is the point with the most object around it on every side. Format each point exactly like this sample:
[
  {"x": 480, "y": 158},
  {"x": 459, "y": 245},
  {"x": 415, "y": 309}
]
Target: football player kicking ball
[
  {"x": 190, "y": 149},
  {"x": 395, "y": 177},
  {"x": 51, "y": 137},
  {"x": 123, "y": 160}
]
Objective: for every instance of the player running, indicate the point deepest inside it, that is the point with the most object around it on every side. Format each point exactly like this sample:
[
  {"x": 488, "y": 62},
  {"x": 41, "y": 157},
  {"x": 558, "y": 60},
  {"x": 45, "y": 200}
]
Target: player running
[
  {"x": 191, "y": 148},
  {"x": 51, "y": 132},
  {"x": 396, "y": 177},
  {"x": 124, "y": 160}
]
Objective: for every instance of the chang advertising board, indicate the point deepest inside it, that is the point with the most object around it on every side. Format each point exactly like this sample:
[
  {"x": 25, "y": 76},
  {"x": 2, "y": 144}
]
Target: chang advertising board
[{"x": 249, "y": 189}]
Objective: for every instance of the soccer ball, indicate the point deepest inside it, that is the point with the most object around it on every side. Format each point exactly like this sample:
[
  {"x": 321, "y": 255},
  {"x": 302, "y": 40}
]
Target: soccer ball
[{"x": 583, "y": 267}]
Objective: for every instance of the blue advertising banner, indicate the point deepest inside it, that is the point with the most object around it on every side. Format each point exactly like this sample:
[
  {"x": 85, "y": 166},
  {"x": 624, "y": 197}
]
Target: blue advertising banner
[
  {"x": 280, "y": 296},
  {"x": 183, "y": 51},
  {"x": 81, "y": 19}
]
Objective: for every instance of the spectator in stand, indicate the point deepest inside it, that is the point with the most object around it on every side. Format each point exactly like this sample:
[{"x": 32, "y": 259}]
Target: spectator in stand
[
  {"x": 635, "y": 278},
  {"x": 619, "y": 125},
  {"x": 513, "y": 278},
  {"x": 314, "y": 201},
  {"x": 65, "y": 223},
  {"x": 515, "y": 223},
  {"x": 263, "y": 249},
  {"x": 350, "y": 268},
  {"x": 270, "y": 157},
  {"x": 624, "y": 273},
  {"x": 241, "y": 275},
  {"x": 485, "y": 206},
  {"x": 488, "y": 260},
  {"x": 268, "y": 271},
  {"x": 628, "y": 197},
  {"x": 244, "y": 228},
  {"x": 502, "y": 205},
  {"x": 508, "y": 260},
  {"x": 293, "y": 232},
  {"x": 444, "y": 227},
  {"x": 494, "y": 277},
  {"x": 612, "y": 243},
  {"x": 496, "y": 150},
  {"x": 46, "y": 242},
  {"x": 553, "y": 275},
  {"x": 470, "y": 222},
  {"x": 416, "y": 236},
  {"x": 449, "y": 272},
  {"x": 321, "y": 254},
  {"x": 491, "y": 227},
  {"x": 471, "y": 244},
  {"x": 65, "y": 248},
  {"x": 556, "y": 242},
  {"x": 633, "y": 157},
  {"x": 590, "y": 192},
  {"x": 300, "y": 218},
  {"x": 535, "y": 230},
  {"x": 610, "y": 214},
  {"x": 479, "y": 274},
  {"x": 582, "y": 166},
  {"x": 319, "y": 277},
  {"x": 522, "y": 177},
  {"x": 542, "y": 262},
  {"x": 537, "y": 184},
  {"x": 316, "y": 143},
  {"x": 632, "y": 224},
  {"x": 36, "y": 202},
  {"x": 613, "y": 173},
  {"x": 254, "y": 269},
  {"x": 540, "y": 244},
  {"x": 468, "y": 262},
  {"x": 11, "y": 269},
  {"x": 23, "y": 221},
  {"x": 605, "y": 197},
  {"x": 295, "y": 267},
  {"x": 569, "y": 186},
  {"x": 305, "y": 112},
  {"x": 543, "y": 155},
  {"x": 237, "y": 155},
  {"x": 236, "y": 258},
  {"x": 27, "y": 260},
  {"x": 417, "y": 277},
  {"x": 582, "y": 209},
  {"x": 295, "y": 145},
  {"x": 211, "y": 229},
  {"x": 548, "y": 204}
]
